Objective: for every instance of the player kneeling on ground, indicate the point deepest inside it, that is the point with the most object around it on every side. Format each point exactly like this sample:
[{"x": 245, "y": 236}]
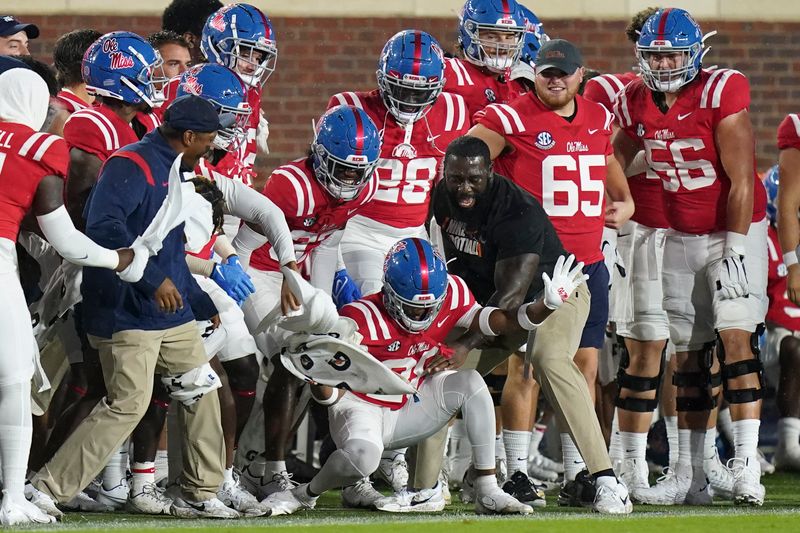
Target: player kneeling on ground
[{"x": 404, "y": 327}]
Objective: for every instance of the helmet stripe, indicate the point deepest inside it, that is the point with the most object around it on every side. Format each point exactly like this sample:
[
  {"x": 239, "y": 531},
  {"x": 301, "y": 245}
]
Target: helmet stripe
[
  {"x": 359, "y": 132},
  {"x": 417, "y": 53},
  {"x": 268, "y": 33},
  {"x": 423, "y": 263},
  {"x": 662, "y": 23},
  {"x": 506, "y": 9}
]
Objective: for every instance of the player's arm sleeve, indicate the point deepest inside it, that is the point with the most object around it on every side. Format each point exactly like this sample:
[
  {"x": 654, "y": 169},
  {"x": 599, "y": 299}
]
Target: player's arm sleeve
[
  {"x": 325, "y": 262},
  {"x": 247, "y": 204}
]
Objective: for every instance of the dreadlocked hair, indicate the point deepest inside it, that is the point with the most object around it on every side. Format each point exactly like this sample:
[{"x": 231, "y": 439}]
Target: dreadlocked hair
[{"x": 209, "y": 190}]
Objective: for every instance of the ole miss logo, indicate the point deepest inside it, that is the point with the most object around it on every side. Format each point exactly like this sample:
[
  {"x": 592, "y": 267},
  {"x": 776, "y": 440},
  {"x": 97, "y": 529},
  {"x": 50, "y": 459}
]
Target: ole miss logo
[
  {"x": 110, "y": 45},
  {"x": 120, "y": 60},
  {"x": 192, "y": 86},
  {"x": 218, "y": 22}
]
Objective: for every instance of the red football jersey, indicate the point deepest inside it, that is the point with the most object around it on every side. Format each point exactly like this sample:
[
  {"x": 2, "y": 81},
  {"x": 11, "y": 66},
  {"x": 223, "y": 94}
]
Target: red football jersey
[
  {"x": 781, "y": 309},
  {"x": 312, "y": 213},
  {"x": 71, "y": 101},
  {"x": 789, "y": 132},
  {"x": 406, "y": 353},
  {"x": 683, "y": 154},
  {"x": 26, "y": 156},
  {"x": 645, "y": 189},
  {"x": 98, "y": 131},
  {"x": 411, "y": 157},
  {"x": 562, "y": 164},
  {"x": 479, "y": 88}
]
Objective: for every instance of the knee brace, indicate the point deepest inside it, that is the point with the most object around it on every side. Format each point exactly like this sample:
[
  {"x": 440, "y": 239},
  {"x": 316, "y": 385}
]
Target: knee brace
[
  {"x": 638, "y": 384},
  {"x": 742, "y": 368},
  {"x": 495, "y": 384},
  {"x": 703, "y": 380}
]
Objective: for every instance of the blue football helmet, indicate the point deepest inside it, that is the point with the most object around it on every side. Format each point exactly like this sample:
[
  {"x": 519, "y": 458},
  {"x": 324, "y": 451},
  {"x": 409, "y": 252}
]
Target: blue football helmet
[
  {"x": 414, "y": 284},
  {"x": 240, "y": 37},
  {"x": 223, "y": 88},
  {"x": 771, "y": 181},
  {"x": 534, "y": 36},
  {"x": 345, "y": 151},
  {"x": 120, "y": 65},
  {"x": 669, "y": 31},
  {"x": 410, "y": 74},
  {"x": 495, "y": 16}
]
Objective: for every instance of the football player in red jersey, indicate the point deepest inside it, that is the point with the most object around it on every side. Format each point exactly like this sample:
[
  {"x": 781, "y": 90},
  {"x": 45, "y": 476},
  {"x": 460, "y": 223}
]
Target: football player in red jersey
[
  {"x": 490, "y": 41},
  {"x": 782, "y": 347},
  {"x": 695, "y": 129},
  {"x": 556, "y": 145},
  {"x": 67, "y": 58},
  {"x": 789, "y": 199},
  {"x": 240, "y": 37},
  {"x": 319, "y": 195},
  {"x": 33, "y": 166},
  {"x": 405, "y": 326}
]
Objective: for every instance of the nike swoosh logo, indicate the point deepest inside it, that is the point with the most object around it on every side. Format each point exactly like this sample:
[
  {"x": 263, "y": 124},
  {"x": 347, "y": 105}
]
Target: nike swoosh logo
[
  {"x": 418, "y": 502},
  {"x": 433, "y": 138},
  {"x": 440, "y": 324},
  {"x": 592, "y": 132},
  {"x": 80, "y": 258},
  {"x": 681, "y": 117},
  {"x": 351, "y": 211}
]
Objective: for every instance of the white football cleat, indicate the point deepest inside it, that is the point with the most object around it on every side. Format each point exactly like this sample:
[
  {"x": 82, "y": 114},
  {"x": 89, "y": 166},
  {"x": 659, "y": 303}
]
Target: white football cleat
[
  {"x": 612, "y": 499},
  {"x": 394, "y": 472},
  {"x": 720, "y": 478},
  {"x": 114, "y": 497},
  {"x": 677, "y": 487},
  {"x": 212, "y": 508},
  {"x": 496, "y": 501},
  {"x": 418, "y": 501},
  {"x": 747, "y": 489},
  {"x": 18, "y": 510},
  {"x": 290, "y": 501},
  {"x": 42, "y": 500},
  {"x": 149, "y": 500},
  {"x": 633, "y": 474},
  {"x": 261, "y": 484},
  {"x": 85, "y": 503},
  {"x": 233, "y": 495},
  {"x": 766, "y": 467},
  {"x": 467, "y": 492},
  {"x": 360, "y": 495},
  {"x": 543, "y": 468}
]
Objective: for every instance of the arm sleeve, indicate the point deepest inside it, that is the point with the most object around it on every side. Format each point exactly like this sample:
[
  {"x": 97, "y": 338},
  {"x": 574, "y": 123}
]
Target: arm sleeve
[
  {"x": 73, "y": 245},
  {"x": 249, "y": 205},
  {"x": 199, "y": 266},
  {"x": 222, "y": 247},
  {"x": 325, "y": 262}
]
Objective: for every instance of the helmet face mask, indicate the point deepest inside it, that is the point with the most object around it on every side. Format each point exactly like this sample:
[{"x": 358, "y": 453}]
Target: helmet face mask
[
  {"x": 410, "y": 75},
  {"x": 253, "y": 61},
  {"x": 492, "y": 33},
  {"x": 670, "y": 50},
  {"x": 343, "y": 179},
  {"x": 415, "y": 284}
]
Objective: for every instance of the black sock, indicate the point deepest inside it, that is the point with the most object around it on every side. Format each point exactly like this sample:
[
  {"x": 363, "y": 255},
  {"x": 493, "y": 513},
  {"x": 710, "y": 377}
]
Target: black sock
[{"x": 606, "y": 472}]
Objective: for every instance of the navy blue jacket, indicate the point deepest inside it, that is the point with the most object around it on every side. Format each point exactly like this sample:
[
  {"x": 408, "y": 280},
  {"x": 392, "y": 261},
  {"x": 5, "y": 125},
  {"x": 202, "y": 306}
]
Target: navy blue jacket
[{"x": 131, "y": 187}]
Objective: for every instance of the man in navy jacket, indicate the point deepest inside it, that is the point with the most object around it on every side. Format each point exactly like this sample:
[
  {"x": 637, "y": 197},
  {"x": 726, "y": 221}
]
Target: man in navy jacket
[{"x": 147, "y": 327}]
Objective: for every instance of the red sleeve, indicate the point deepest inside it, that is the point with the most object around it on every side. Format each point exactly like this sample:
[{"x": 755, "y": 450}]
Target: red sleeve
[
  {"x": 81, "y": 132},
  {"x": 55, "y": 158},
  {"x": 595, "y": 92},
  {"x": 730, "y": 94},
  {"x": 282, "y": 193},
  {"x": 503, "y": 119},
  {"x": 789, "y": 132}
]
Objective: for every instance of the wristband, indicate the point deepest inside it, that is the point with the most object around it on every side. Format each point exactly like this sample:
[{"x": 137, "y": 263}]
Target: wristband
[
  {"x": 735, "y": 242},
  {"x": 483, "y": 321},
  {"x": 522, "y": 317},
  {"x": 789, "y": 259}
]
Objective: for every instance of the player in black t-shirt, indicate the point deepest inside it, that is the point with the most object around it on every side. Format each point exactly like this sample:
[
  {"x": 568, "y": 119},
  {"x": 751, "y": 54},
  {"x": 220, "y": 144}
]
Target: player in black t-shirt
[{"x": 501, "y": 243}]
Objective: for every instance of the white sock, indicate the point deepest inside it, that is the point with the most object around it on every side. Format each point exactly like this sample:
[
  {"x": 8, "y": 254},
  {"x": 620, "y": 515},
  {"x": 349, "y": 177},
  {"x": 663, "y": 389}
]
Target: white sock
[
  {"x": 227, "y": 475},
  {"x": 16, "y": 431},
  {"x": 745, "y": 438},
  {"x": 634, "y": 445},
  {"x": 724, "y": 424},
  {"x": 615, "y": 445},
  {"x": 273, "y": 467},
  {"x": 536, "y": 439},
  {"x": 162, "y": 465},
  {"x": 516, "y": 444},
  {"x": 499, "y": 447},
  {"x": 710, "y": 447},
  {"x": 484, "y": 484},
  {"x": 671, "y": 424},
  {"x": 573, "y": 462},
  {"x": 117, "y": 467},
  {"x": 142, "y": 474},
  {"x": 789, "y": 433},
  {"x": 691, "y": 447}
]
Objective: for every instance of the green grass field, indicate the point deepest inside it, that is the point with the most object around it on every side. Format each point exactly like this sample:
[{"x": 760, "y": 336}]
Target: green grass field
[{"x": 781, "y": 512}]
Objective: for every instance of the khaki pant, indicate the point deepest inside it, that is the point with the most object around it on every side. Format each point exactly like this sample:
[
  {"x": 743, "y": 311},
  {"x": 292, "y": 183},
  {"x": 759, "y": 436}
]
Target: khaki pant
[
  {"x": 554, "y": 345},
  {"x": 130, "y": 359}
]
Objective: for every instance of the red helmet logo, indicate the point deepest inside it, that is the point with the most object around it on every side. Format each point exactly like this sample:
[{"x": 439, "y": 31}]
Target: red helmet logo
[
  {"x": 218, "y": 22},
  {"x": 192, "y": 86},
  {"x": 120, "y": 60}
]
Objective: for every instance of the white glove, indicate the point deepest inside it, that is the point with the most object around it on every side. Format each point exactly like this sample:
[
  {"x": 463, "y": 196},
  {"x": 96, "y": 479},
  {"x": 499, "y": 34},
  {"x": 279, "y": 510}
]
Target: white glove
[
  {"x": 262, "y": 134},
  {"x": 565, "y": 279},
  {"x": 732, "y": 277}
]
